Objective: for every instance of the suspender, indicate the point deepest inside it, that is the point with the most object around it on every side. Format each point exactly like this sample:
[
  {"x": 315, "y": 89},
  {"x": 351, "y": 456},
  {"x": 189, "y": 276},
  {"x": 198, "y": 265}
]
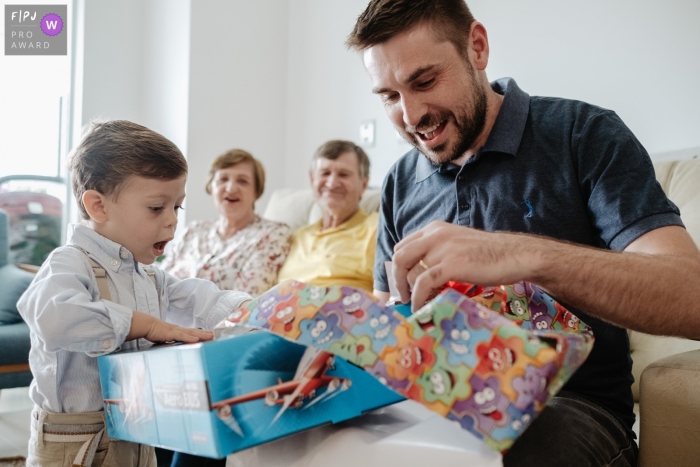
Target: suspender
[{"x": 101, "y": 276}]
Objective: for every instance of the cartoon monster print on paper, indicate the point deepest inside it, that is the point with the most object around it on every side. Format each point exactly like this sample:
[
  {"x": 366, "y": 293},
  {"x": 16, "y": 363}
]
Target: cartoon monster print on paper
[
  {"x": 542, "y": 308},
  {"x": 516, "y": 303},
  {"x": 351, "y": 307},
  {"x": 518, "y": 420},
  {"x": 355, "y": 350},
  {"x": 532, "y": 386},
  {"x": 444, "y": 382},
  {"x": 495, "y": 356},
  {"x": 410, "y": 356},
  {"x": 480, "y": 317},
  {"x": 318, "y": 296},
  {"x": 286, "y": 317},
  {"x": 486, "y": 403},
  {"x": 380, "y": 372},
  {"x": 239, "y": 316},
  {"x": 460, "y": 341},
  {"x": 466, "y": 421},
  {"x": 320, "y": 331},
  {"x": 379, "y": 327},
  {"x": 264, "y": 308},
  {"x": 427, "y": 319}
]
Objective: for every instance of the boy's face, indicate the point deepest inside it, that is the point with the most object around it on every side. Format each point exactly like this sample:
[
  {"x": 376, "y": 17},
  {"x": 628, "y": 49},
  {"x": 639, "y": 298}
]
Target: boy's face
[{"x": 143, "y": 217}]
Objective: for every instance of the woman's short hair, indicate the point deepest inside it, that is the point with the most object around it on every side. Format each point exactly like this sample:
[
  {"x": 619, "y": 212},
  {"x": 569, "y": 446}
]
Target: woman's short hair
[
  {"x": 234, "y": 157},
  {"x": 335, "y": 148}
]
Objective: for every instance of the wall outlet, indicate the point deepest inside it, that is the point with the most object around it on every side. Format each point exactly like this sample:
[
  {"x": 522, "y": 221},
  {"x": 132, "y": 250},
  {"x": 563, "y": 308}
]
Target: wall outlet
[{"x": 367, "y": 133}]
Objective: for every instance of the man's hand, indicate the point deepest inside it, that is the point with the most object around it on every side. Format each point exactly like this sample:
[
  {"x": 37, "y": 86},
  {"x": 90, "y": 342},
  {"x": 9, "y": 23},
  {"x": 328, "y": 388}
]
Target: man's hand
[
  {"x": 151, "y": 328},
  {"x": 441, "y": 252},
  {"x": 650, "y": 287}
]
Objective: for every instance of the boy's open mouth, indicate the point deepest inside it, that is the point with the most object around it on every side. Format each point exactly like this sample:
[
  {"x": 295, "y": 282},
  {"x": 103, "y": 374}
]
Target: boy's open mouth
[{"x": 159, "y": 247}]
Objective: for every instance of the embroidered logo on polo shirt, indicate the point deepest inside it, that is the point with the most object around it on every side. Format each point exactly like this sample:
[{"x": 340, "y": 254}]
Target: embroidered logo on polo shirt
[{"x": 529, "y": 207}]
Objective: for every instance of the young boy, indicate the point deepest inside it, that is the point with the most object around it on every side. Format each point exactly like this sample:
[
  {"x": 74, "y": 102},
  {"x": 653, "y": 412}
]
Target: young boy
[{"x": 129, "y": 183}]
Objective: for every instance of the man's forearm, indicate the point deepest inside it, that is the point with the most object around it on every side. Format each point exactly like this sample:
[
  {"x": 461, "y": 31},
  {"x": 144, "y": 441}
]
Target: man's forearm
[
  {"x": 651, "y": 287},
  {"x": 655, "y": 294}
]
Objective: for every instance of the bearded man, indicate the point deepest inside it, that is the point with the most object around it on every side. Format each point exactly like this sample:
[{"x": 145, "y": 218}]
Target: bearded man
[{"x": 503, "y": 187}]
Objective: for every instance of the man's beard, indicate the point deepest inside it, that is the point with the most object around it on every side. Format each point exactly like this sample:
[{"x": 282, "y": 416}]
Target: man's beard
[{"x": 469, "y": 125}]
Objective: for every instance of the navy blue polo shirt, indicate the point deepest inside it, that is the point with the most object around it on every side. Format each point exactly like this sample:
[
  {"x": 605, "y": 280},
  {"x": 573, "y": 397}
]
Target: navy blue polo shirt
[{"x": 554, "y": 167}]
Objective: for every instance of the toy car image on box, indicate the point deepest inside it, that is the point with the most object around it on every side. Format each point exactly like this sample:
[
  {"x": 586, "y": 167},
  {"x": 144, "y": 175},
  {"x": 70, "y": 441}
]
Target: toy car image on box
[{"x": 218, "y": 397}]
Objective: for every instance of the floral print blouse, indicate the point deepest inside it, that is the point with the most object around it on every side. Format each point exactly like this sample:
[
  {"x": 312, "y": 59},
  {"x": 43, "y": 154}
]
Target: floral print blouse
[{"x": 248, "y": 261}]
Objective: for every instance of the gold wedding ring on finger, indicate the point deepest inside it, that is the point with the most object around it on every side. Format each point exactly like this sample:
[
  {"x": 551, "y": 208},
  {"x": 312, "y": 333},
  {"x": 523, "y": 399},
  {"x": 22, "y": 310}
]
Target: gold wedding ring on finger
[{"x": 422, "y": 264}]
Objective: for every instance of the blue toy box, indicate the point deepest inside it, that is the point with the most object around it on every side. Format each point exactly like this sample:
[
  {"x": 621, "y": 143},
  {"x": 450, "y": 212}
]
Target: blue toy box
[{"x": 215, "y": 398}]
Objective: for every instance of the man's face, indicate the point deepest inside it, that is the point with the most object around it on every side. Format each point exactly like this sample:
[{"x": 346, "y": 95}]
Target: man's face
[
  {"x": 337, "y": 185},
  {"x": 143, "y": 217},
  {"x": 429, "y": 91}
]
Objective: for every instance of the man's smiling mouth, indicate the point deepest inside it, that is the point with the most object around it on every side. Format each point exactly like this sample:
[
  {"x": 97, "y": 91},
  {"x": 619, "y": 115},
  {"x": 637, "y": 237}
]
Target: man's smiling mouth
[{"x": 429, "y": 133}]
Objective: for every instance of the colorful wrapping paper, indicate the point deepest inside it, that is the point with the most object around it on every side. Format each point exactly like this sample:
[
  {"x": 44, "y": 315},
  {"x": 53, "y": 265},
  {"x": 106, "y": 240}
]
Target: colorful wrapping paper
[{"x": 488, "y": 358}]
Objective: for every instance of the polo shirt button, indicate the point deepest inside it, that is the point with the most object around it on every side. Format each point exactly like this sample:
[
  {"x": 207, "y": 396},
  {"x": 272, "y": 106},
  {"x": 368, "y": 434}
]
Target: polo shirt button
[
  {"x": 114, "y": 262},
  {"x": 124, "y": 254},
  {"x": 465, "y": 206},
  {"x": 106, "y": 344}
]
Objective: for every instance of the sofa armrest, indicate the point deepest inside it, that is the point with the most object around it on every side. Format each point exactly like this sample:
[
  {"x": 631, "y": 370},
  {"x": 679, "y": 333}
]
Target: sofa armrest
[{"x": 670, "y": 411}]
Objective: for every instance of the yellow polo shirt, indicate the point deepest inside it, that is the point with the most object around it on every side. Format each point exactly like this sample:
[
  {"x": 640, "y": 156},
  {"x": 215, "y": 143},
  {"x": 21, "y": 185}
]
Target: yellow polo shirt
[{"x": 342, "y": 255}]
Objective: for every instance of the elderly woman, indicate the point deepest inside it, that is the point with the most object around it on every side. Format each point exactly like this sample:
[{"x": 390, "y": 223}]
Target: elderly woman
[
  {"x": 339, "y": 249},
  {"x": 240, "y": 250}
]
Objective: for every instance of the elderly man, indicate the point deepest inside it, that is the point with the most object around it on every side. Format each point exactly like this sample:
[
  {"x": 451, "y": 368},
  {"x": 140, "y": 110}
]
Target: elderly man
[
  {"x": 339, "y": 249},
  {"x": 504, "y": 187}
]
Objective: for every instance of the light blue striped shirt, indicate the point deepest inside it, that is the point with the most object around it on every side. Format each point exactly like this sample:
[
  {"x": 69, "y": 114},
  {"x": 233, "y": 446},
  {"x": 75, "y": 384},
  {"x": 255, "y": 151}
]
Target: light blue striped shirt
[{"x": 70, "y": 325}]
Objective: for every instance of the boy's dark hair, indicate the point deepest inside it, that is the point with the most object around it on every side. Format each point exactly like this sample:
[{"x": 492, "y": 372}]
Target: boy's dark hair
[
  {"x": 109, "y": 152},
  {"x": 335, "y": 148},
  {"x": 450, "y": 20}
]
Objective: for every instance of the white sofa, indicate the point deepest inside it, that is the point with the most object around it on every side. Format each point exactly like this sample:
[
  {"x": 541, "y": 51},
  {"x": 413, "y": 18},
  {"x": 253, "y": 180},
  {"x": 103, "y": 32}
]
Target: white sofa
[{"x": 663, "y": 436}]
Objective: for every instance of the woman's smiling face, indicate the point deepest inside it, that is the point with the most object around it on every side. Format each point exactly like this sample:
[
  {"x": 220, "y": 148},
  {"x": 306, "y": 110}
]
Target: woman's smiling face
[{"x": 233, "y": 189}]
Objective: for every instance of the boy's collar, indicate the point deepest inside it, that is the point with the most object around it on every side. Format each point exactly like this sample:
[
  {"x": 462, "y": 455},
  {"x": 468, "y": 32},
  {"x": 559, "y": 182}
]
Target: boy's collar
[{"x": 106, "y": 252}]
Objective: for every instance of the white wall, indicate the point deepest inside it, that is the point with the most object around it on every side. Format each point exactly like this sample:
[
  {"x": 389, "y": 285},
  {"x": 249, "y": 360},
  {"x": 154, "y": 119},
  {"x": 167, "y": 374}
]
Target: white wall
[
  {"x": 637, "y": 57},
  {"x": 640, "y": 58},
  {"x": 274, "y": 77},
  {"x": 329, "y": 91},
  {"x": 237, "y": 93}
]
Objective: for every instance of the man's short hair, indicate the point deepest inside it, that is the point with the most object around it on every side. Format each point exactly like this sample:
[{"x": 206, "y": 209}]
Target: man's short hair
[
  {"x": 450, "y": 20},
  {"x": 335, "y": 148},
  {"x": 237, "y": 156},
  {"x": 109, "y": 152}
]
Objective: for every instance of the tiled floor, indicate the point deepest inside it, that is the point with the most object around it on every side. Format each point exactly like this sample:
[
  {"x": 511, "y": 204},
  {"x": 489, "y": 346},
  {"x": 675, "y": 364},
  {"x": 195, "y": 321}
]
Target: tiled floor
[{"x": 15, "y": 409}]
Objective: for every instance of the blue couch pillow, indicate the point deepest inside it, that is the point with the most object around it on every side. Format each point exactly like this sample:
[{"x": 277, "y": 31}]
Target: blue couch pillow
[{"x": 13, "y": 283}]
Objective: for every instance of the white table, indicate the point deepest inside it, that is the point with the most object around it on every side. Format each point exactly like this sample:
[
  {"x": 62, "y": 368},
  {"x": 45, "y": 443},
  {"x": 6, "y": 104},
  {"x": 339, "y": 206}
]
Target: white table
[{"x": 403, "y": 435}]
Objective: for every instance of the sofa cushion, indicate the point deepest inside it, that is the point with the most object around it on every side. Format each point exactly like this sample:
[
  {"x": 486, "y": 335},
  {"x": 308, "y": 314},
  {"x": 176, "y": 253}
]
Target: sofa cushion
[
  {"x": 297, "y": 208},
  {"x": 15, "y": 344},
  {"x": 14, "y": 282},
  {"x": 679, "y": 180},
  {"x": 646, "y": 349}
]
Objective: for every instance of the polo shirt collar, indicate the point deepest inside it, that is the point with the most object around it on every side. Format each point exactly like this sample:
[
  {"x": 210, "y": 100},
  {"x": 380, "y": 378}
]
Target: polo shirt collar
[
  {"x": 355, "y": 220},
  {"x": 507, "y": 131}
]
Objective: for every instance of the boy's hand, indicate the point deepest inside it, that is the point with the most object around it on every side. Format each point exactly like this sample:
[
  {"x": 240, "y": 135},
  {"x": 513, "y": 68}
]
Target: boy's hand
[{"x": 148, "y": 327}]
